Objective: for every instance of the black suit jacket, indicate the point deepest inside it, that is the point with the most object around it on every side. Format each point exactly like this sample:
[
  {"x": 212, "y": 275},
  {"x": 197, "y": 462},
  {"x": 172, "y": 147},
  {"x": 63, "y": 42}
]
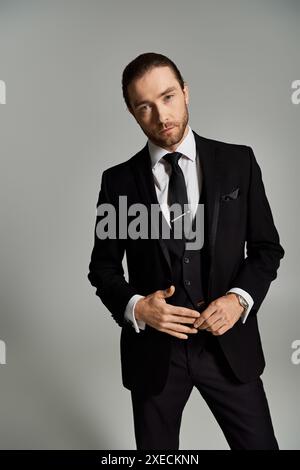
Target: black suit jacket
[{"x": 236, "y": 211}]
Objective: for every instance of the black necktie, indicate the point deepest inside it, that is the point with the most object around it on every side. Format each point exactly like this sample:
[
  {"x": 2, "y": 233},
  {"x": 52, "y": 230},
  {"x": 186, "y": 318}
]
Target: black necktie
[{"x": 177, "y": 188}]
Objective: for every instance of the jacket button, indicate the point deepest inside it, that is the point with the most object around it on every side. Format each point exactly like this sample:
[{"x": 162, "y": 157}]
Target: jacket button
[
  {"x": 186, "y": 259},
  {"x": 187, "y": 282}
]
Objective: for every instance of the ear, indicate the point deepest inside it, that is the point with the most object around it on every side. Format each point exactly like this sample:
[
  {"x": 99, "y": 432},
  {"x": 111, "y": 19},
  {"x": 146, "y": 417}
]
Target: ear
[{"x": 186, "y": 93}]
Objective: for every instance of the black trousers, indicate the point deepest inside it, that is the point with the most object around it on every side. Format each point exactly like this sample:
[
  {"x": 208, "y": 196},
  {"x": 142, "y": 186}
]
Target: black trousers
[{"x": 240, "y": 409}]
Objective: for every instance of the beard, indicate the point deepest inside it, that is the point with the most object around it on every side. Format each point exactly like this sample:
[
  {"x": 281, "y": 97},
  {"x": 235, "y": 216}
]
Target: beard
[{"x": 166, "y": 140}]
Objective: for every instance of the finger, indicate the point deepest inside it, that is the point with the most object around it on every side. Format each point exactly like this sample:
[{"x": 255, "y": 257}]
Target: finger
[
  {"x": 214, "y": 322},
  {"x": 205, "y": 315},
  {"x": 166, "y": 292},
  {"x": 174, "y": 333},
  {"x": 210, "y": 310},
  {"x": 180, "y": 328},
  {"x": 221, "y": 330},
  {"x": 188, "y": 312},
  {"x": 177, "y": 319},
  {"x": 216, "y": 325}
]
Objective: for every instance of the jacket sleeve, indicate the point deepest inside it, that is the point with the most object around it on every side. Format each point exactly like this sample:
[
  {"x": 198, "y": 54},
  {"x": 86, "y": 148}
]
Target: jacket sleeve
[
  {"x": 263, "y": 249},
  {"x": 105, "y": 269}
]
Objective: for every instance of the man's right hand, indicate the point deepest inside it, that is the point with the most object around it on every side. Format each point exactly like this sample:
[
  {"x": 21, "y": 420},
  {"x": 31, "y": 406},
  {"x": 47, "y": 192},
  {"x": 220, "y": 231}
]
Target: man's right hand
[{"x": 170, "y": 319}]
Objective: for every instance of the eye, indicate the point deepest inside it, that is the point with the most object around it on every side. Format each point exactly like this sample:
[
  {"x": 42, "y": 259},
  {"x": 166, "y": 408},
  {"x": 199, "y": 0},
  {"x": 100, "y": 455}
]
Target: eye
[
  {"x": 143, "y": 108},
  {"x": 169, "y": 96}
]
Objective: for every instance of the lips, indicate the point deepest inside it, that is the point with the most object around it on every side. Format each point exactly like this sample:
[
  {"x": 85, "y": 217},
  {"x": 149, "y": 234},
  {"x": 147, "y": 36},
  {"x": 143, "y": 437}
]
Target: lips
[{"x": 167, "y": 129}]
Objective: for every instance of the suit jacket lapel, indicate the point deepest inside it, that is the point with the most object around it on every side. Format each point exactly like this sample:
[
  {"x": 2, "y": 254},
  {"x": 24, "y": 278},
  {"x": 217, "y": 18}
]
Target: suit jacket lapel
[
  {"x": 211, "y": 185},
  {"x": 211, "y": 168},
  {"x": 141, "y": 166}
]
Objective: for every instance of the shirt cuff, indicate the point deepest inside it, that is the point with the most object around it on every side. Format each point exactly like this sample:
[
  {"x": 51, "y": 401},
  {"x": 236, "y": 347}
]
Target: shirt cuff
[
  {"x": 129, "y": 313},
  {"x": 248, "y": 299}
]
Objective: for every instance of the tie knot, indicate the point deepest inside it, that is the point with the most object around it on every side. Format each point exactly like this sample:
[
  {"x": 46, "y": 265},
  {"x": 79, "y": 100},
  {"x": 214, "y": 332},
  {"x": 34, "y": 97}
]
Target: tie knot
[{"x": 173, "y": 158}]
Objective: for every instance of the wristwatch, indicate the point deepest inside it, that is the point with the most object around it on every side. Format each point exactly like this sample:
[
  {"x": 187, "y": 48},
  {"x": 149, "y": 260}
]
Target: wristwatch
[{"x": 243, "y": 302}]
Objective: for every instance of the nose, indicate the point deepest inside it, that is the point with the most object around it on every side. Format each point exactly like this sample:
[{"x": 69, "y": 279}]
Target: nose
[{"x": 161, "y": 115}]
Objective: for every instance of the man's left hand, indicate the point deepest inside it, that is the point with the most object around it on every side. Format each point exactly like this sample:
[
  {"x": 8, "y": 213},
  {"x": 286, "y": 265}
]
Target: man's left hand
[{"x": 220, "y": 315}]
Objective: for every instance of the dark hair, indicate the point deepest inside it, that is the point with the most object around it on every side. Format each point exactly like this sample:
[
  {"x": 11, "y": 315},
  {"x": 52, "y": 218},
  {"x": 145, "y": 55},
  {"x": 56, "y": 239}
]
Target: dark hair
[{"x": 144, "y": 63}]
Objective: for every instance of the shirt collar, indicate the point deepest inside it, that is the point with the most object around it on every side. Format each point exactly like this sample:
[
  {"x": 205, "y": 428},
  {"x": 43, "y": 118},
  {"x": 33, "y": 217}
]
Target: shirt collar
[{"x": 187, "y": 147}]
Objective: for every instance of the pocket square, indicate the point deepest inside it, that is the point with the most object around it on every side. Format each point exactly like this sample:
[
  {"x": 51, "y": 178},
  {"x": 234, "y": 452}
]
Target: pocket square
[{"x": 230, "y": 196}]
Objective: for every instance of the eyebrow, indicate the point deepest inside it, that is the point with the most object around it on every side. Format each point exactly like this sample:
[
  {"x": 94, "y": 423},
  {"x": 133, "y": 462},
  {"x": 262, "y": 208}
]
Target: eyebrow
[{"x": 138, "y": 103}]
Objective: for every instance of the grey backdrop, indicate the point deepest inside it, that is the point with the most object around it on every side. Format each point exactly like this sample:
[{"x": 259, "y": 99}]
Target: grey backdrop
[{"x": 64, "y": 122}]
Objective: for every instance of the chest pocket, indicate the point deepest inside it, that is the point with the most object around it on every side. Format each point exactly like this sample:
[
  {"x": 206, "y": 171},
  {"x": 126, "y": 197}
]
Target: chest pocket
[{"x": 231, "y": 196}]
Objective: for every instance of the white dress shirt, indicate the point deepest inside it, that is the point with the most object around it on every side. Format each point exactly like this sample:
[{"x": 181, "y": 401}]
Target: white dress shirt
[{"x": 161, "y": 171}]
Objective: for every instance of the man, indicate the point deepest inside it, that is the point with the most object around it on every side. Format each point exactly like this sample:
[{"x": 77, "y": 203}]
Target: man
[{"x": 188, "y": 314}]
